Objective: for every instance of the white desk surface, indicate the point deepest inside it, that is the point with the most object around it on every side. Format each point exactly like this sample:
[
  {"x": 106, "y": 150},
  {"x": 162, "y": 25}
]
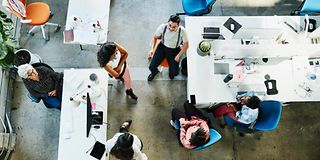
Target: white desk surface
[
  {"x": 210, "y": 88},
  {"x": 89, "y": 12},
  {"x": 73, "y": 142}
]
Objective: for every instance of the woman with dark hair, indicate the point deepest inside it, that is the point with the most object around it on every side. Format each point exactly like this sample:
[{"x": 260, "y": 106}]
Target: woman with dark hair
[
  {"x": 245, "y": 111},
  {"x": 125, "y": 145},
  {"x": 192, "y": 130},
  {"x": 112, "y": 57}
]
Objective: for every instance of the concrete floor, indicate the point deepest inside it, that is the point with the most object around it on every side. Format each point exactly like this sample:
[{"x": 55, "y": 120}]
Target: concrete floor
[{"x": 132, "y": 24}]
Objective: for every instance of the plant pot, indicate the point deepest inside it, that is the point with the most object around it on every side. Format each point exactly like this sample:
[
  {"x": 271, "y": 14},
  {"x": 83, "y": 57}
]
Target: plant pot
[
  {"x": 204, "y": 48},
  {"x": 23, "y": 56}
]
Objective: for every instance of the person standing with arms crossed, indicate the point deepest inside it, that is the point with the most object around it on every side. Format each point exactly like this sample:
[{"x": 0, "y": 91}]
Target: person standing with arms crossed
[{"x": 171, "y": 35}]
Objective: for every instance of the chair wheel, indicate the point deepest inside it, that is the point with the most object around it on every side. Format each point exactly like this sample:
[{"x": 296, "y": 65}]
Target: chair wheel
[
  {"x": 47, "y": 39},
  {"x": 31, "y": 34},
  {"x": 58, "y": 28}
]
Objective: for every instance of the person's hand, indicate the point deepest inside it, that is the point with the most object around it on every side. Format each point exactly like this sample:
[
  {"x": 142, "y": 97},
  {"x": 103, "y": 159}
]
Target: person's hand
[
  {"x": 150, "y": 54},
  {"x": 177, "y": 58},
  {"x": 182, "y": 122},
  {"x": 53, "y": 93},
  {"x": 117, "y": 69},
  {"x": 232, "y": 106}
]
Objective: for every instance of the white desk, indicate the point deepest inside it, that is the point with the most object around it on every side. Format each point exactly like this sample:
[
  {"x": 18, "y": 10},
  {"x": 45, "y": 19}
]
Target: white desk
[
  {"x": 73, "y": 142},
  {"x": 210, "y": 88},
  {"x": 89, "y": 12}
]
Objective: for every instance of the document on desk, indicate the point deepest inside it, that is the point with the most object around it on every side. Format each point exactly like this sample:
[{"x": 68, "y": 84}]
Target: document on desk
[{"x": 85, "y": 36}]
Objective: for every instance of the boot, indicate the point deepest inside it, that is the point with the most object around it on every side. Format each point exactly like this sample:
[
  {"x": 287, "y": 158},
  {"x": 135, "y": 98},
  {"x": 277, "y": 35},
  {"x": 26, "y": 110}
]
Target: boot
[{"x": 130, "y": 93}]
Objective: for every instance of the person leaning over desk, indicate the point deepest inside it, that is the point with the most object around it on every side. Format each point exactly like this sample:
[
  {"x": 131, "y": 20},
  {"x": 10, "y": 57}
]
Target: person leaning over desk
[
  {"x": 43, "y": 83},
  {"x": 245, "y": 111},
  {"x": 171, "y": 35},
  {"x": 112, "y": 57}
]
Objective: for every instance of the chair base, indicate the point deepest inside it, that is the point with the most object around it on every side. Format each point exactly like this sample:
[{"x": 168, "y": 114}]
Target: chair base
[{"x": 43, "y": 31}]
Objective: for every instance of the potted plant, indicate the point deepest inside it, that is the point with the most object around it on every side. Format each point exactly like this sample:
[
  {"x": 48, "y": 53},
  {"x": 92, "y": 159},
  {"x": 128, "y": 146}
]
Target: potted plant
[
  {"x": 7, "y": 42},
  {"x": 204, "y": 48}
]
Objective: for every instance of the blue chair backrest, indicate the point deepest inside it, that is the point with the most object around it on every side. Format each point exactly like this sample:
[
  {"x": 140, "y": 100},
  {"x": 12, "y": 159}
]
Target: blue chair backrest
[
  {"x": 268, "y": 119},
  {"x": 269, "y": 115},
  {"x": 197, "y": 7},
  {"x": 214, "y": 137},
  {"x": 310, "y": 6}
]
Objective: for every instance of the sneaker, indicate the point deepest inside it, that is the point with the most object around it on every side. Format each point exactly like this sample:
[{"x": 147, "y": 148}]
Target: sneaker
[
  {"x": 130, "y": 93},
  {"x": 173, "y": 124},
  {"x": 152, "y": 75}
]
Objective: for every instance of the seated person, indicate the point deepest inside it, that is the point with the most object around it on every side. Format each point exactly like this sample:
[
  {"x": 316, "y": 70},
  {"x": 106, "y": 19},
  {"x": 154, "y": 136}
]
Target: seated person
[
  {"x": 44, "y": 83},
  {"x": 245, "y": 111},
  {"x": 192, "y": 129}
]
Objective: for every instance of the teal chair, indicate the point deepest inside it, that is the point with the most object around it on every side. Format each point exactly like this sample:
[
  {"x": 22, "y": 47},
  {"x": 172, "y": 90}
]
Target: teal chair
[
  {"x": 197, "y": 7},
  {"x": 310, "y": 7},
  {"x": 214, "y": 137},
  {"x": 268, "y": 118}
]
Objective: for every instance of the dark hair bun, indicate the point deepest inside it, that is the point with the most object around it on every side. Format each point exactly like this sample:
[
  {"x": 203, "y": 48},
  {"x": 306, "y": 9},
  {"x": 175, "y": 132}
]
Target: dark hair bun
[{"x": 125, "y": 140}]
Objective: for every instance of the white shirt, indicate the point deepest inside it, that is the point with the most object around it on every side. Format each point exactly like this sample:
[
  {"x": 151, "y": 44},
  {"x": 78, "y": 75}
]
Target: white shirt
[
  {"x": 115, "y": 61},
  {"x": 247, "y": 115},
  {"x": 171, "y": 38},
  {"x": 136, "y": 146}
]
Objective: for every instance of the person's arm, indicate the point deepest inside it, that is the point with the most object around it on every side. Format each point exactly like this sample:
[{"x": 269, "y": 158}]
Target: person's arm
[
  {"x": 124, "y": 56},
  {"x": 183, "y": 138},
  {"x": 111, "y": 71},
  {"x": 154, "y": 44},
  {"x": 185, "y": 41},
  {"x": 55, "y": 76},
  {"x": 155, "y": 40},
  {"x": 139, "y": 155},
  {"x": 182, "y": 51},
  {"x": 32, "y": 91}
]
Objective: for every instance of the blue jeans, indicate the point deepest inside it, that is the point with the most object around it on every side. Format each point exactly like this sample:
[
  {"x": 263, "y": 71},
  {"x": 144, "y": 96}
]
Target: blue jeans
[
  {"x": 164, "y": 52},
  {"x": 52, "y": 102}
]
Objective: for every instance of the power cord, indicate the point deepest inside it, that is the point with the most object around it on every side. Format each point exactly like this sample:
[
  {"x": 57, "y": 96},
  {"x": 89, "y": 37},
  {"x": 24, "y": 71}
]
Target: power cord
[{"x": 95, "y": 140}]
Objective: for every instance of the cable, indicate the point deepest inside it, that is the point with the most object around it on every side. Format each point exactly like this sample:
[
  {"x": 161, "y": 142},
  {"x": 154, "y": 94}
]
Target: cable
[{"x": 95, "y": 140}]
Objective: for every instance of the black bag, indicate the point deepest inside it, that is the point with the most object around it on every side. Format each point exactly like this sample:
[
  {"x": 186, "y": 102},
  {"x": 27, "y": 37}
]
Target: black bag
[{"x": 184, "y": 68}]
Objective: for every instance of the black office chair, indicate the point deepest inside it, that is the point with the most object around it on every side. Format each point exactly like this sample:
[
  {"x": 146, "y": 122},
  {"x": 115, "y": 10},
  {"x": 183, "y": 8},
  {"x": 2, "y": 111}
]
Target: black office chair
[
  {"x": 196, "y": 7},
  {"x": 310, "y": 7}
]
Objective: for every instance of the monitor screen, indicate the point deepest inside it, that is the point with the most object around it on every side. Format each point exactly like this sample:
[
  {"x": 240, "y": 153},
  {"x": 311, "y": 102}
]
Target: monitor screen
[
  {"x": 260, "y": 33},
  {"x": 89, "y": 114}
]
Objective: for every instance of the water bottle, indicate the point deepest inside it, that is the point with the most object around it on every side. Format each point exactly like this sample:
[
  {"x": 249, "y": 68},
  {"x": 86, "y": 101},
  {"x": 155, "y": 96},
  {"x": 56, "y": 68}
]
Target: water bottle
[{"x": 228, "y": 78}]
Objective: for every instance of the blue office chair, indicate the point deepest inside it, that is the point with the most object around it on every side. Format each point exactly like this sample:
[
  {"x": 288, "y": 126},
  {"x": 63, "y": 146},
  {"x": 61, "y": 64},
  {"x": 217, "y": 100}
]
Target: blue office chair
[
  {"x": 214, "y": 137},
  {"x": 197, "y": 7},
  {"x": 268, "y": 118},
  {"x": 310, "y": 7}
]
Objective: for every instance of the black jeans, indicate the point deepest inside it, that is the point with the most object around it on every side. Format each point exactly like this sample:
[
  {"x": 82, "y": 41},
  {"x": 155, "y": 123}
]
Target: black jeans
[{"x": 164, "y": 52}]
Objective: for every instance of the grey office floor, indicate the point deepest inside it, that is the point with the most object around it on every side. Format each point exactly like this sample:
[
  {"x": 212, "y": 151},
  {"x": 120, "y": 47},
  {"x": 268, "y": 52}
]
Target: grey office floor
[{"x": 132, "y": 24}]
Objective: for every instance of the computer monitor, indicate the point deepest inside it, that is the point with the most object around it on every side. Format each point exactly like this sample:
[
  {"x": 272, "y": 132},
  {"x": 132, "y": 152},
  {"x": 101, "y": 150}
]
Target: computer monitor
[
  {"x": 259, "y": 33},
  {"x": 89, "y": 114}
]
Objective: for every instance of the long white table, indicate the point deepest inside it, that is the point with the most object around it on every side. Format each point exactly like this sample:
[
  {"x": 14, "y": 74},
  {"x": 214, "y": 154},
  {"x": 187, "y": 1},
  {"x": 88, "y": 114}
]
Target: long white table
[
  {"x": 73, "y": 140},
  {"x": 89, "y": 12},
  {"x": 288, "y": 63}
]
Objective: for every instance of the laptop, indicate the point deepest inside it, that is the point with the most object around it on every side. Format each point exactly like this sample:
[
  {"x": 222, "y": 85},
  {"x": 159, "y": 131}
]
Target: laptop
[{"x": 221, "y": 68}]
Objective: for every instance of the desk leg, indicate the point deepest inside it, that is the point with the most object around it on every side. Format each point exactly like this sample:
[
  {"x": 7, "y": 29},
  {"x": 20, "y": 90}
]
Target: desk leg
[{"x": 81, "y": 47}]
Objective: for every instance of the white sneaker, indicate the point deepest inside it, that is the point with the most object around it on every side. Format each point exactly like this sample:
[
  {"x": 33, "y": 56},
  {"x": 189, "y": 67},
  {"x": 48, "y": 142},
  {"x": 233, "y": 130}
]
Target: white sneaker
[{"x": 173, "y": 124}]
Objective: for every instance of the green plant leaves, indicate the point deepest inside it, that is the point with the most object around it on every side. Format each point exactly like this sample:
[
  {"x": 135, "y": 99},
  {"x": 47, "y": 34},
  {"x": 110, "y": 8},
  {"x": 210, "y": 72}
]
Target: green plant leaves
[{"x": 7, "y": 42}]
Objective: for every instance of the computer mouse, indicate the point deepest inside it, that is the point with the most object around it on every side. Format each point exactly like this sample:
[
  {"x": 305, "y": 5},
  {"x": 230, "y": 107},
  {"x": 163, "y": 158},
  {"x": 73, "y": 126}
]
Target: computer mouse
[
  {"x": 96, "y": 127},
  {"x": 232, "y": 26}
]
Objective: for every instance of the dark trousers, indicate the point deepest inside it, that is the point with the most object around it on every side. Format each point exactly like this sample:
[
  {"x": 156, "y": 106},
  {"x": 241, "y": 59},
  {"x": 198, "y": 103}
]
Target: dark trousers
[{"x": 164, "y": 52}]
